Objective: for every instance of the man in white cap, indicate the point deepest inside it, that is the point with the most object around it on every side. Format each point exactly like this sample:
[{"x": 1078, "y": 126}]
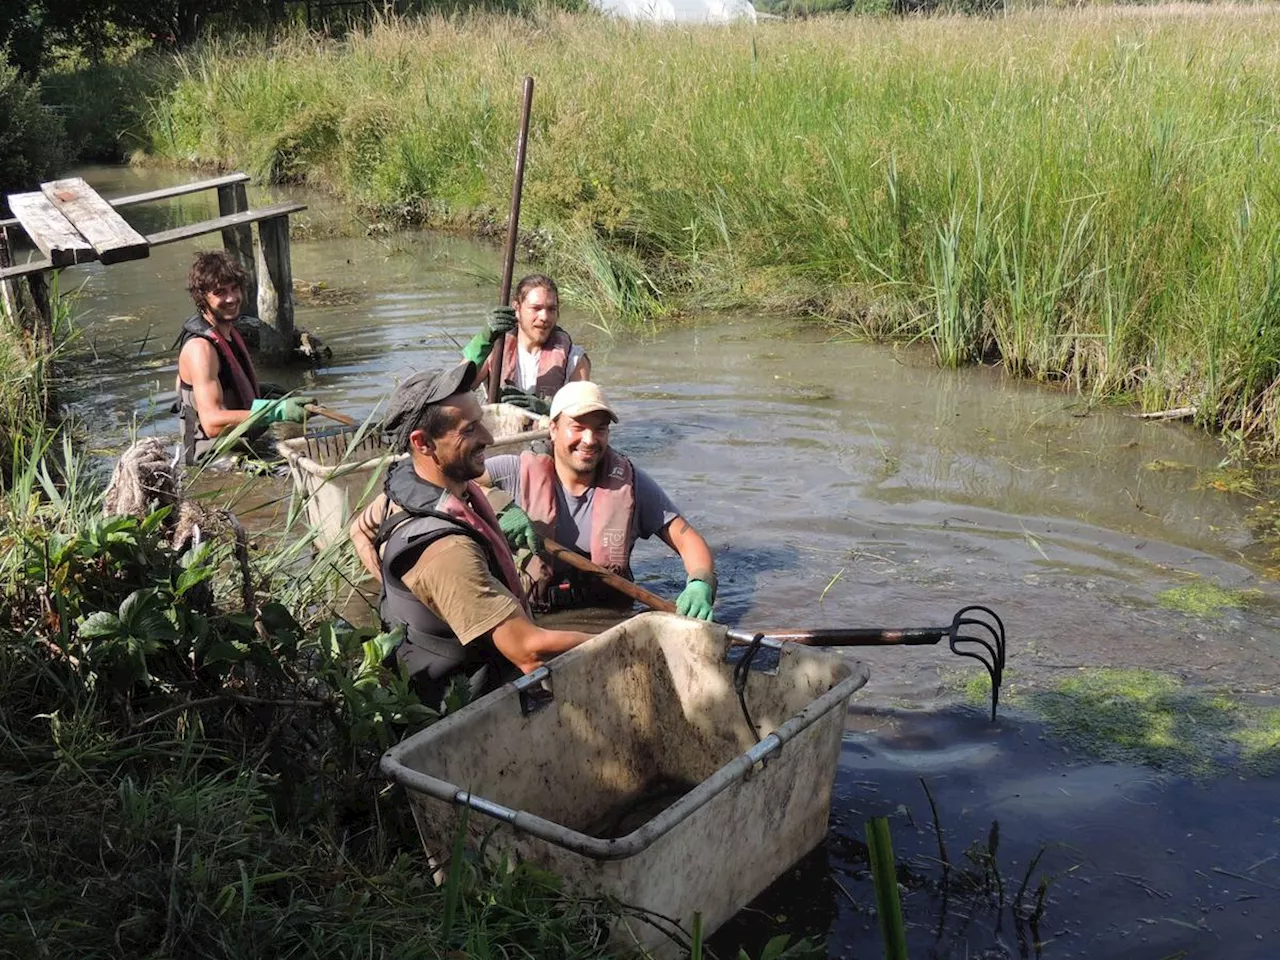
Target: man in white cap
[
  {"x": 590, "y": 498},
  {"x": 440, "y": 552}
]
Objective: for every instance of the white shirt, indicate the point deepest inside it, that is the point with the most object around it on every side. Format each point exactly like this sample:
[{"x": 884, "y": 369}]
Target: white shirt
[{"x": 527, "y": 365}]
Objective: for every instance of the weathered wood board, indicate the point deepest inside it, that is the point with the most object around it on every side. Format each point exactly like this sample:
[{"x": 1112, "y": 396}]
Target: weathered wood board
[
  {"x": 178, "y": 234},
  {"x": 50, "y": 230},
  {"x": 96, "y": 220}
]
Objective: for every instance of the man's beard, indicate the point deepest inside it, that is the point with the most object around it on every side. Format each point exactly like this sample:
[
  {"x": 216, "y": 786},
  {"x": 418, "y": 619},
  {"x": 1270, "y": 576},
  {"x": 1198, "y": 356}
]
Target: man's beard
[{"x": 461, "y": 471}]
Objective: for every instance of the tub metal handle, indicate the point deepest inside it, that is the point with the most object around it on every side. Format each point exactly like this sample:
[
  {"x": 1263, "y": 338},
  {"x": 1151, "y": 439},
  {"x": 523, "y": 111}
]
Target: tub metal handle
[{"x": 534, "y": 690}]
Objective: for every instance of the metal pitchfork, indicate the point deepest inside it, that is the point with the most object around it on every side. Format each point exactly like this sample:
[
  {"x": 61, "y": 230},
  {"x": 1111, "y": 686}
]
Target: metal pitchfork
[
  {"x": 975, "y": 631},
  {"x": 977, "y": 619}
]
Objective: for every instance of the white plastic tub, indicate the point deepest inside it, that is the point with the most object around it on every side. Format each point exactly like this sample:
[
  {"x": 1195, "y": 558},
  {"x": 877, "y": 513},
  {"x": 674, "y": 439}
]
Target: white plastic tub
[
  {"x": 336, "y": 478},
  {"x": 639, "y": 716}
]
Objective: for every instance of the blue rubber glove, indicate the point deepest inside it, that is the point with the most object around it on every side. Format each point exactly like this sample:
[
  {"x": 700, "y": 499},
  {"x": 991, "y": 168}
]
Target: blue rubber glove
[
  {"x": 518, "y": 529},
  {"x": 696, "y": 600},
  {"x": 501, "y": 321},
  {"x": 290, "y": 409}
]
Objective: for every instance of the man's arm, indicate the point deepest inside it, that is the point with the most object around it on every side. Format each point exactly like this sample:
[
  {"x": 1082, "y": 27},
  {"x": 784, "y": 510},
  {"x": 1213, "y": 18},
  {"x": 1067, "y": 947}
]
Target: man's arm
[
  {"x": 364, "y": 532},
  {"x": 680, "y": 536},
  {"x": 583, "y": 370},
  {"x": 198, "y": 366},
  {"x": 528, "y": 646},
  {"x": 453, "y": 579},
  {"x": 503, "y": 472}
]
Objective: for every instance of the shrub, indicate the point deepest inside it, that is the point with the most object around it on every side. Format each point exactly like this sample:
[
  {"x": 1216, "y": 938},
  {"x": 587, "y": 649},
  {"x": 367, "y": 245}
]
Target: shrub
[{"x": 32, "y": 140}]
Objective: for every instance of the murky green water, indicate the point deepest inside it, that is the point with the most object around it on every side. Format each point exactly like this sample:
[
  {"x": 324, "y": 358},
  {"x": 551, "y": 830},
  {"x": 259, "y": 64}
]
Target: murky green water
[{"x": 843, "y": 485}]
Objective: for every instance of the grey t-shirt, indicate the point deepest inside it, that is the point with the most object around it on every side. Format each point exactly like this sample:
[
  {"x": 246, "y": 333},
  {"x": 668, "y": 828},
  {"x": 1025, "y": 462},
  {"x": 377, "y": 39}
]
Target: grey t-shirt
[{"x": 654, "y": 509}]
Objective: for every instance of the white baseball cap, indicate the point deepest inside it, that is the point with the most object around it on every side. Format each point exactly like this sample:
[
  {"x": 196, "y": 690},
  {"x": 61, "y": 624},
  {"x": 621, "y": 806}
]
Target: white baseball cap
[{"x": 580, "y": 398}]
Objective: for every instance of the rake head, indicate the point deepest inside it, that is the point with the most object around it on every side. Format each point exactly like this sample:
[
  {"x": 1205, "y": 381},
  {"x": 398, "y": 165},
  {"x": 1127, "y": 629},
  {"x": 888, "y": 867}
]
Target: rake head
[{"x": 978, "y": 633}]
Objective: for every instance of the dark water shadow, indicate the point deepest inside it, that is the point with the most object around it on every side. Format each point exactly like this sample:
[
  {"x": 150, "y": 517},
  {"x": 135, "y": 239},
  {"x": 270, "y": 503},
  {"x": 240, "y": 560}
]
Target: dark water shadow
[{"x": 1133, "y": 862}]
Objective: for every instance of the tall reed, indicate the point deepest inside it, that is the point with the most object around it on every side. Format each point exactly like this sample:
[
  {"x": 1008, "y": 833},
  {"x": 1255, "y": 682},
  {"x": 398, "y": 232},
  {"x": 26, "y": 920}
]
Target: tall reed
[{"x": 1083, "y": 194}]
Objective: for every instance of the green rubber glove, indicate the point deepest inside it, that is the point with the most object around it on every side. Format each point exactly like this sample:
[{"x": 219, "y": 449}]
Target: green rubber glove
[
  {"x": 518, "y": 529},
  {"x": 290, "y": 409},
  {"x": 525, "y": 401},
  {"x": 501, "y": 320},
  {"x": 696, "y": 600}
]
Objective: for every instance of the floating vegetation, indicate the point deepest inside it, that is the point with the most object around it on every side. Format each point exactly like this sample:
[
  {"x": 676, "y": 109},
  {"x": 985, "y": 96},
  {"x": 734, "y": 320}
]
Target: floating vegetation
[
  {"x": 320, "y": 294},
  {"x": 1204, "y": 598},
  {"x": 1238, "y": 480},
  {"x": 803, "y": 391},
  {"x": 1151, "y": 718},
  {"x": 1163, "y": 466}
]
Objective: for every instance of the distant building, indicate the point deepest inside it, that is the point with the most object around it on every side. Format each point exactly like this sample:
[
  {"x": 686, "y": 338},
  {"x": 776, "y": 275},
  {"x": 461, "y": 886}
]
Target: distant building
[{"x": 684, "y": 11}]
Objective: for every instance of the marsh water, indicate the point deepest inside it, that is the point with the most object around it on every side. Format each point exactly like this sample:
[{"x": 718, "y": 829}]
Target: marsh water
[{"x": 846, "y": 484}]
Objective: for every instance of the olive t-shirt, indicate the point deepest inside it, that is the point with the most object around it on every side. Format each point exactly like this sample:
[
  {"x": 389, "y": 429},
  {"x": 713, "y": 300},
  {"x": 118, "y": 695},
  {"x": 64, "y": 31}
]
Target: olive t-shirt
[{"x": 452, "y": 578}]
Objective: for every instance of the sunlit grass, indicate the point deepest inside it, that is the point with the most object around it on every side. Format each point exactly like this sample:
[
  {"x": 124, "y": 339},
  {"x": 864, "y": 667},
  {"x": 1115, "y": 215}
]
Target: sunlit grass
[{"x": 1086, "y": 195}]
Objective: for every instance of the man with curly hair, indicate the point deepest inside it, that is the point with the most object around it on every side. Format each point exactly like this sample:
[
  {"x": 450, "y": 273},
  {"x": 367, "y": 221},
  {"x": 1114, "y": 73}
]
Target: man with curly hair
[{"x": 218, "y": 388}]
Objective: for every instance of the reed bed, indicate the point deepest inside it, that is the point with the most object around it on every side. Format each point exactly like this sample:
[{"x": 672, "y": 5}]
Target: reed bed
[{"x": 1085, "y": 196}]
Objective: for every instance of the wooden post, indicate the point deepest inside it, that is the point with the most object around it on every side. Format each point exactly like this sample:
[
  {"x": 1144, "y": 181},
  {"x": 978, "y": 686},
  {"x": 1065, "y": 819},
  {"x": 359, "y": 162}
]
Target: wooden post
[
  {"x": 238, "y": 241},
  {"x": 8, "y": 288},
  {"x": 42, "y": 322},
  {"x": 275, "y": 282}
]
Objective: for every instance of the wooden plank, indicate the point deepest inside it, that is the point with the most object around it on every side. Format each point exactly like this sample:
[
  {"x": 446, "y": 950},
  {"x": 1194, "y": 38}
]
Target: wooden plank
[
  {"x": 193, "y": 230},
  {"x": 50, "y": 230},
  {"x": 165, "y": 193},
  {"x": 182, "y": 190},
  {"x": 238, "y": 241},
  {"x": 24, "y": 269},
  {"x": 96, "y": 220},
  {"x": 275, "y": 291}
]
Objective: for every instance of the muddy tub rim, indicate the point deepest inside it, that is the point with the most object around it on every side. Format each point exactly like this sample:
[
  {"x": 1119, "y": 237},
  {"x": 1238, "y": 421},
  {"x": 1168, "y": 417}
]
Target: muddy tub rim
[{"x": 739, "y": 768}]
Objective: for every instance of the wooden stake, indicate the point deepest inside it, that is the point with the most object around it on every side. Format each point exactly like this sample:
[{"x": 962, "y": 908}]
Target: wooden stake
[
  {"x": 238, "y": 241},
  {"x": 8, "y": 288},
  {"x": 275, "y": 290}
]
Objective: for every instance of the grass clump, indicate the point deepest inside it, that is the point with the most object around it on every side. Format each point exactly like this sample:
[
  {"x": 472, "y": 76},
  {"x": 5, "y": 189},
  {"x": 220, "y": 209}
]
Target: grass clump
[
  {"x": 1203, "y": 598},
  {"x": 1141, "y": 716}
]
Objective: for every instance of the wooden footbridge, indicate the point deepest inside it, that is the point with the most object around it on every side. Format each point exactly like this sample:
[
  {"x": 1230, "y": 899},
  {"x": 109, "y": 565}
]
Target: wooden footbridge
[{"x": 69, "y": 223}]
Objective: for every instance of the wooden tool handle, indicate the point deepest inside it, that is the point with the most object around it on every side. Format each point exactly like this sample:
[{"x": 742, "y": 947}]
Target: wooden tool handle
[
  {"x": 342, "y": 418},
  {"x": 621, "y": 584},
  {"x": 513, "y": 226}
]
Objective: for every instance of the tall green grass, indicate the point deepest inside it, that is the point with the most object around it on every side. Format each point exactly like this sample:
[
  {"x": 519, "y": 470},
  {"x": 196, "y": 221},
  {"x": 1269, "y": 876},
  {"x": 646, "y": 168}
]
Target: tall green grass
[{"x": 1088, "y": 196}]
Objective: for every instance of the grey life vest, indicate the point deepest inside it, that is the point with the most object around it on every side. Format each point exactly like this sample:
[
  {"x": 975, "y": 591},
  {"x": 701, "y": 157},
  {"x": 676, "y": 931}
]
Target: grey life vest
[{"x": 430, "y": 648}]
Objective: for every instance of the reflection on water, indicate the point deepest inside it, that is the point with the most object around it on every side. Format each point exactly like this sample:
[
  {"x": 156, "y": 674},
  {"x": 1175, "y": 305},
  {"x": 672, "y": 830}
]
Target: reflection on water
[{"x": 840, "y": 485}]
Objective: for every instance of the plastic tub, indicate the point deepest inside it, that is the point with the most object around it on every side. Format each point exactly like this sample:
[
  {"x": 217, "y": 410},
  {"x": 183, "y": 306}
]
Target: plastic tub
[{"x": 638, "y": 776}]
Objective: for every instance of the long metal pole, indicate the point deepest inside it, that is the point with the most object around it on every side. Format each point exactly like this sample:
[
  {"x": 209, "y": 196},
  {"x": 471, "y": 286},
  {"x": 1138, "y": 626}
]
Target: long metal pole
[{"x": 513, "y": 225}]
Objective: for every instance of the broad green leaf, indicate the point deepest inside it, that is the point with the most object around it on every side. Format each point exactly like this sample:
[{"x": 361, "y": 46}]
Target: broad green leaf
[
  {"x": 99, "y": 625},
  {"x": 143, "y": 615},
  {"x": 191, "y": 577},
  {"x": 152, "y": 521}
]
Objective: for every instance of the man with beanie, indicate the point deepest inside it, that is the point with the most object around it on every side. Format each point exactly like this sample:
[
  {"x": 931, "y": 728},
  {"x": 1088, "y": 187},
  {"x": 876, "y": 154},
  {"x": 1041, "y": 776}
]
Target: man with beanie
[{"x": 435, "y": 544}]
